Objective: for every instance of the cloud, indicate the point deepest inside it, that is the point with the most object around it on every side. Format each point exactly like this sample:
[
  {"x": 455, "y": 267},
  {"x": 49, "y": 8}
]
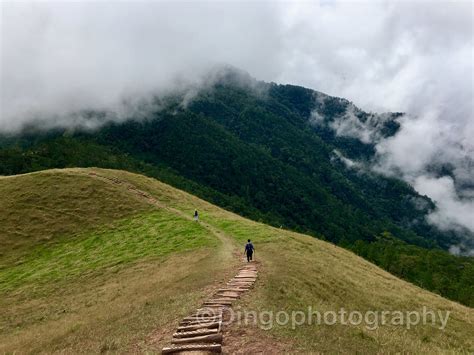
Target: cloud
[
  {"x": 414, "y": 57},
  {"x": 349, "y": 163},
  {"x": 433, "y": 152},
  {"x": 60, "y": 58},
  {"x": 451, "y": 210},
  {"x": 63, "y": 57},
  {"x": 352, "y": 122},
  {"x": 397, "y": 56}
]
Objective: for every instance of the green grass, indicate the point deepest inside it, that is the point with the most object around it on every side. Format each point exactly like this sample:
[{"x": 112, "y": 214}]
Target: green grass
[
  {"x": 300, "y": 271},
  {"x": 40, "y": 207},
  {"x": 151, "y": 234},
  {"x": 119, "y": 279},
  {"x": 87, "y": 265}
]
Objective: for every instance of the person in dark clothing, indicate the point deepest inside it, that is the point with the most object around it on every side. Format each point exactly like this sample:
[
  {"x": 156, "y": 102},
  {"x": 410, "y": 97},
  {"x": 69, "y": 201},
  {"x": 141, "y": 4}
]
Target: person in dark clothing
[
  {"x": 249, "y": 249},
  {"x": 196, "y": 215}
]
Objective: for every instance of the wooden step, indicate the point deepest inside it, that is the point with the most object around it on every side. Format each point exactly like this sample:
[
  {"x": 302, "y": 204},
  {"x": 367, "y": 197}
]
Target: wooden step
[
  {"x": 210, "y": 338},
  {"x": 217, "y": 307},
  {"x": 219, "y": 295},
  {"x": 212, "y": 325},
  {"x": 219, "y": 303},
  {"x": 228, "y": 294},
  {"x": 222, "y": 301},
  {"x": 195, "y": 333},
  {"x": 240, "y": 282},
  {"x": 199, "y": 321},
  {"x": 238, "y": 288},
  {"x": 243, "y": 287},
  {"x": 244, "y": 277},
  {"x": 195, "y": 318},
  {"x": 212, "y": 306},
  {"x": 219, "y": 298},
  {"x": 200, "y": 332},
  {"x": 232, "y": 289},
  {"x": 215, "y": 348}
]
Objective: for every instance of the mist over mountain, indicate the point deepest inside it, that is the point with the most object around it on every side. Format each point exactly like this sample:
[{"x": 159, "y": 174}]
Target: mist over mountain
[
  {"x": 280, "y": 154},
  {"x": 60, "y": 61},
  {"x": 334, "y": 136},
  {"x": 445, "y": 173}
]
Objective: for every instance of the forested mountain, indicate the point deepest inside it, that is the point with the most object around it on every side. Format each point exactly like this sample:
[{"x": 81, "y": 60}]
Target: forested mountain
[{"x": 275, "y": 153}]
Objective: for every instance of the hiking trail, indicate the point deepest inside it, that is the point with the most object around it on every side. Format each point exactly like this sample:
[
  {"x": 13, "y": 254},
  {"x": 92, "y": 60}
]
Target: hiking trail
[{"x": 202, "y": 330}]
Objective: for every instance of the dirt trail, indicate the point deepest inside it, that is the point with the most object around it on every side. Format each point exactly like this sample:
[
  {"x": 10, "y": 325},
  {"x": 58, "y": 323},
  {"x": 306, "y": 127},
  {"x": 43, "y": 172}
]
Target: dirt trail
[{"x": 202, "y": 331}]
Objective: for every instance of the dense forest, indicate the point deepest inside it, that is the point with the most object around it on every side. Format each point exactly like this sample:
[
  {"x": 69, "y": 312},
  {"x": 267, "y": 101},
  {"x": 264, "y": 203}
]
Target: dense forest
[{"x": 254, "y": 148}]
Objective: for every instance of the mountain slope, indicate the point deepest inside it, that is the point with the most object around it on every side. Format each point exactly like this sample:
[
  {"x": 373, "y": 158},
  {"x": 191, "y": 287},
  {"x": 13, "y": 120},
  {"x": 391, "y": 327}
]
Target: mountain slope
[
  {"x": 270, "y": 152},
  {"x": 123, "y": 282},
  {"x": 254, "y": 144},
  {"x": 112, "y": 272}
]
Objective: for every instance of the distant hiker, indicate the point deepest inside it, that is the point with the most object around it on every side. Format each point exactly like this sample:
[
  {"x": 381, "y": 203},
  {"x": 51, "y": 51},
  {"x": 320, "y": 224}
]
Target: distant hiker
[
  {"x": 249, "y": 249},
  {"x": 196, "y": 215}
]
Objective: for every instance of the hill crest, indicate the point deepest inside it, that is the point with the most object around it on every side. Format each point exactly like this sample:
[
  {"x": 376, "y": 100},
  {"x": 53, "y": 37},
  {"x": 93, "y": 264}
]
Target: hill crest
[{"x": 170, "y": 263}]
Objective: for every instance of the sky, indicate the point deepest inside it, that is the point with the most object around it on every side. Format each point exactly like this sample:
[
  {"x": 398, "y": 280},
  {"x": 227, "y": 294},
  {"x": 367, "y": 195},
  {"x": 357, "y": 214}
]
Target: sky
[{"x": 407, "y": 56}]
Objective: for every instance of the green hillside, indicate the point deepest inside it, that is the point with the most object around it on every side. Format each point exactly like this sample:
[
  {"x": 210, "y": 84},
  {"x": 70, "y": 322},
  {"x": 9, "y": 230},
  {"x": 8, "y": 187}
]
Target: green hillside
[
  {"x": 96, "y": 260},
  {"x": 251, "y": 148}
]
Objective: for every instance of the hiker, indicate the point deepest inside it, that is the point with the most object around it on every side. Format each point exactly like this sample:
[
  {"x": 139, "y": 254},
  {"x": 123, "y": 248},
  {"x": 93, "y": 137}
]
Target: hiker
[
  {"x": 196, "y": 215},
  {"x": 249, "y": 249}
]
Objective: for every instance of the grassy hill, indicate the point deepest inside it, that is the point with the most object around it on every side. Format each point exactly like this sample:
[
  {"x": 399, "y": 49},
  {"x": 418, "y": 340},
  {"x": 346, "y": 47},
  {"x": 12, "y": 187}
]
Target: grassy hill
[
  {"x": 95, "y": 260},
  {"x": 270, "y": 153},
  {"x": 254, "y": 148}
]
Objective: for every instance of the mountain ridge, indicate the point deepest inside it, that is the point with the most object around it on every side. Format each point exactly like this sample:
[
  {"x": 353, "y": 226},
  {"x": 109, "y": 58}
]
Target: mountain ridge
[
  {"x": 124, "y": 284},
  {"x": 255, "y": 152}
]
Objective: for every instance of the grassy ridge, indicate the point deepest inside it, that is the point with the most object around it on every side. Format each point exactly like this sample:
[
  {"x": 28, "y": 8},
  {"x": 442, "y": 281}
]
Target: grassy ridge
[
  {"x": 152, "y": 234},
  {"x": 300, "y": 272},
  {"x": 38, "y": 208},
  {"x": 433, "y": 269},
  {"x": 98, "y": 271},
  {"x": 157, "y": 265}
]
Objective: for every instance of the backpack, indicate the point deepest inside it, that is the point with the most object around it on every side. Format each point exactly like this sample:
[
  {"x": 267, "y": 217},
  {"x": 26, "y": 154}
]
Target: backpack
[{"x": 249, "y": 247}]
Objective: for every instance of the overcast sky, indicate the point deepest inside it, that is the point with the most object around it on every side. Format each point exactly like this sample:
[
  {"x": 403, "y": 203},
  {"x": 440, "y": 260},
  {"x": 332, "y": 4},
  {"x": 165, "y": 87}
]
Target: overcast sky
[{"x": 414, "y": 57}]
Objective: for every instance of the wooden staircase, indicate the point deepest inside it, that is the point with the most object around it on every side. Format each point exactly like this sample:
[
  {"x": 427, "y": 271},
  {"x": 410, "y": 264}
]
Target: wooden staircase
[{"x": 201, "y": 332}]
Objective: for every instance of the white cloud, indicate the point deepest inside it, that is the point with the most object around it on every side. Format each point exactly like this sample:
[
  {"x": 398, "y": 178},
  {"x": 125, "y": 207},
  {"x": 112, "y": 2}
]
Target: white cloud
[
  {"x": 61, "y": 57},
  {"x": 349, "y": 163},
  {"x": 450, "y": 209}
]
